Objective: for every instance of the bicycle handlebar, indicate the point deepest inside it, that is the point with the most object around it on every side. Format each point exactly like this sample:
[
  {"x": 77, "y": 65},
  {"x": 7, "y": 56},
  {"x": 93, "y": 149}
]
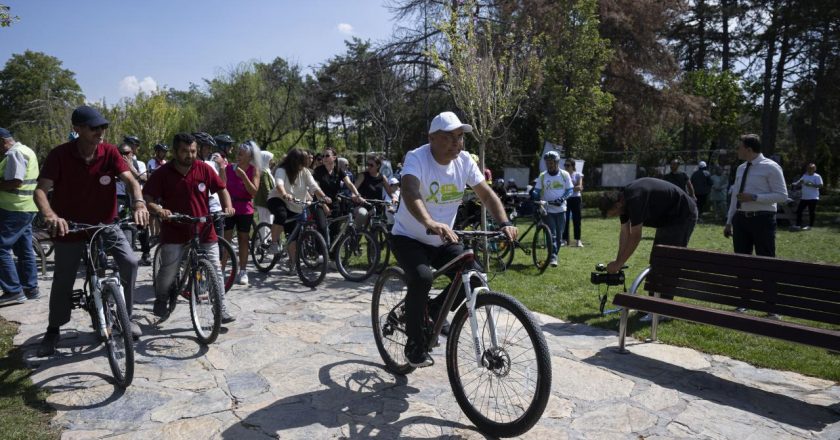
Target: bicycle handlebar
[
  {"x": 73, "y": 227},
  {"x": 183, "y": 218}
]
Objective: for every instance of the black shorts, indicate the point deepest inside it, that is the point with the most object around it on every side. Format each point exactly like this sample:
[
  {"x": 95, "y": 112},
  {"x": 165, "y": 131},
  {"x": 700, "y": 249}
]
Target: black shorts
[{"x": 242, "y": 223}]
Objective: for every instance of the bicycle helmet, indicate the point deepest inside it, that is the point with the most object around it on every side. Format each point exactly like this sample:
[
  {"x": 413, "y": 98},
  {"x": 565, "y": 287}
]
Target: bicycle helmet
[
  {"x": 202, "y": 138},
  {"x": 552, "y": 155},
  {"x": 161, "y": 147},
  {"x": 131, "y": 140},
  {"x": 223, "y": 140}
]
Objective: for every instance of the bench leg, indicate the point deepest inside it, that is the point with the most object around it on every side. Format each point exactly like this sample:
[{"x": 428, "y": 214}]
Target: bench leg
[
  {"x": 654, "y": 322},
  {"x": 622, "y": 329}
]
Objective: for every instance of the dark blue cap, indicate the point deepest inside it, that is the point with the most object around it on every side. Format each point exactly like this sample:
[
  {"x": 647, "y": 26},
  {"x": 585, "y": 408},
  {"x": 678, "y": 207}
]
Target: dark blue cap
[
  {"x": 5, "y": 133},
  {"x": 84, "y": 115}
]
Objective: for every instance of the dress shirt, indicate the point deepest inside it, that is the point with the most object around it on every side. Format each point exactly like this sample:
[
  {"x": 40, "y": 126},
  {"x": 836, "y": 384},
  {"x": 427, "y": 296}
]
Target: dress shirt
[{"x": 765, "y": 180}]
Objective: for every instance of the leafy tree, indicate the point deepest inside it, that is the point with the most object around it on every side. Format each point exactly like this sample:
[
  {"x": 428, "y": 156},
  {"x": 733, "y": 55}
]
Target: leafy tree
[
  {"x": 36, "y": 98},
  {"x": 6, "y": 18}
]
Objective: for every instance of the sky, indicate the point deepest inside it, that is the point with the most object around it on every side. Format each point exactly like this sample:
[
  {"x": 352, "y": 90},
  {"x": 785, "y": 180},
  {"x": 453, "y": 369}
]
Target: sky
[{"x": 119, "y": 47}]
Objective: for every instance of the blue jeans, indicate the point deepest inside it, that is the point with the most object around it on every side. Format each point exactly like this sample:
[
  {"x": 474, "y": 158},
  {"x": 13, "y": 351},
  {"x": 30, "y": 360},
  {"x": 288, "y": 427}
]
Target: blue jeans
[
  {"x": 16, "y": 236},
  {"x": 556, "y": 222}
]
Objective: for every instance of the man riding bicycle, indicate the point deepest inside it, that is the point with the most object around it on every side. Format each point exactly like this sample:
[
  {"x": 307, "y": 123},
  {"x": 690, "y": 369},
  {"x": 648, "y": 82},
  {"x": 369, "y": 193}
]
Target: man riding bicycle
[
  {"x": 433, "y": 181},
  {"x": 183, "y": 186}
]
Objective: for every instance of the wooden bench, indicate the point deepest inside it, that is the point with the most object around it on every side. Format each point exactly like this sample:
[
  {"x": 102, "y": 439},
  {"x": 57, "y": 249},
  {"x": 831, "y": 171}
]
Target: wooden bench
[{"x": 717, "y": 283}]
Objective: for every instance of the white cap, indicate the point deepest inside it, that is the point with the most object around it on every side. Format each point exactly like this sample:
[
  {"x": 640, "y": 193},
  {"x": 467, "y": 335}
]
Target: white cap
[
  {"x": 393, "y": 181},
  {"x": 701, "y": 164},
  {"x": 448, "y": 121}
]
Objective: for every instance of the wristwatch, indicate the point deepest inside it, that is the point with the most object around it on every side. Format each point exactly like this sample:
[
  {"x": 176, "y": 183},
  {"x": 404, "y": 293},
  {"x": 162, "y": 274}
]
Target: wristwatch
[{"x": 505, "y": 224}]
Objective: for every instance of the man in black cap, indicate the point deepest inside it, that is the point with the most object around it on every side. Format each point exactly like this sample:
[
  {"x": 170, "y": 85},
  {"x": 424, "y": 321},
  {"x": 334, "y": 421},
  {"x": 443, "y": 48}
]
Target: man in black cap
[{"x": 82, "y": 174}]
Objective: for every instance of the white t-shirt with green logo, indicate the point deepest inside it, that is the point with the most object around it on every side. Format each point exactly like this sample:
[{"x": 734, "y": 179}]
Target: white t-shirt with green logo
[
  {"x": 441, "y": 187},
  {"x": 553, "y": 188}
]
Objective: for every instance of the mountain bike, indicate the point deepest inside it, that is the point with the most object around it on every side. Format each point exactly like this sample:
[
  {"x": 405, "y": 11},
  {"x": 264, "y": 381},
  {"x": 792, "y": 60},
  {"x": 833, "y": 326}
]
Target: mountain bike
[
  {"x": 196, "y": 280},
  {"x": 542, "y": 244},
  {"x": 497, "y": 358},
  {"x": 379, "y": 228},
  {"x": 102, "y": 297}
]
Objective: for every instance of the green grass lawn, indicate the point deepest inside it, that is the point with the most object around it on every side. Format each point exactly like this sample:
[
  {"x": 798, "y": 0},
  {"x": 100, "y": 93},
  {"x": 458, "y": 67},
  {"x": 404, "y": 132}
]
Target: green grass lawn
[
  {"x": 565, "y": 292},
  {"x": 24, "y": 414}
]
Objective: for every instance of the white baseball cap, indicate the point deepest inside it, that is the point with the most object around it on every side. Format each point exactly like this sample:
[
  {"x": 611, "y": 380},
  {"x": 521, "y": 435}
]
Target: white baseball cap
[
  {"x": 448, "y": 121},
  {"x": 701, "y": 164}
]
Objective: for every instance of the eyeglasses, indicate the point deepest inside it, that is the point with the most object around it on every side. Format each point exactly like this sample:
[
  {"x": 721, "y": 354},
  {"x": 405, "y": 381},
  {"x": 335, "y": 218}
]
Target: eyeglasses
[
  {"x": 570, "y": 164},
  {"x": 99, "y": 127}
]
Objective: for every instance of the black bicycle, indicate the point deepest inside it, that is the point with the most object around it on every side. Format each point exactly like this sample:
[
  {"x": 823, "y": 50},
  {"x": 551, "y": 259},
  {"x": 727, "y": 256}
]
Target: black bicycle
[
  {"x": 197, "y": 281},
  {"x": 102, "y": 297},
  {"x": 499, "y": 369},
  {"x": 542, "y": 243}
]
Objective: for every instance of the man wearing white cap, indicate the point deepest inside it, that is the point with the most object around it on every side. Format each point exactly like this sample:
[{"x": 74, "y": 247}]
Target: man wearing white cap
[
  {"x": 434, "y": 178},
  {"x": 701, "y": 180}
]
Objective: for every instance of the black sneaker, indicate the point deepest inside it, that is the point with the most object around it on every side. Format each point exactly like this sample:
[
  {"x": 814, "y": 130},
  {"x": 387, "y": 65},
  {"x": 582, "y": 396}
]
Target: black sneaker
[
  {"x": 417, "y": 356},
  {"x": 434, "y": 311},
  {"x": 47, "y": 347},
  {"x": 161, "y": 309},
  {"x": 227, "y": 318},
  {"x": 144, "y": 260},
  {"x": 32, "y": 294}
]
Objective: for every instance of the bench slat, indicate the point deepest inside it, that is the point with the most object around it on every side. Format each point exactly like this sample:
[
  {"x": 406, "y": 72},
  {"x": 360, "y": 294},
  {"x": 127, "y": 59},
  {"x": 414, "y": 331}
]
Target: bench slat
[
  {"x": 817, "y": 337},
  {"x": 746, "y": 273},
  {"x": 738, "y": 297}
]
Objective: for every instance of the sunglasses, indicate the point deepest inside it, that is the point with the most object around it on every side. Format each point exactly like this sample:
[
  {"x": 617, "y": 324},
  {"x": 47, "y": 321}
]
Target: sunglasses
[
  {"x": 570, "y": 164},
  {"x": 371, "y": 165},
  {"x": 125, "y": 153},
  {"x": 99, "y": 127}
]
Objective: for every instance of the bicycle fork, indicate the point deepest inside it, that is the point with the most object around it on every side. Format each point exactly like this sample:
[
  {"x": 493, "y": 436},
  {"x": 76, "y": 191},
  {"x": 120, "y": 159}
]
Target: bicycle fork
[
  {"x": 104, "y": 331},
  {"x": 472, "y": 295}
]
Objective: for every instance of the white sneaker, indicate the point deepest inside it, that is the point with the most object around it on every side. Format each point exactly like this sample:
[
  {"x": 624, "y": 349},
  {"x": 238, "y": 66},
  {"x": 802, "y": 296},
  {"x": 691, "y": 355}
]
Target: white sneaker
[
  {"x": 579, "y": 244},
  {"x": 564, "y": 243},
  {"x": 242, "y": 277},
  {"x": 274, "y": 248},
  {"x": 553, "y": 262}
]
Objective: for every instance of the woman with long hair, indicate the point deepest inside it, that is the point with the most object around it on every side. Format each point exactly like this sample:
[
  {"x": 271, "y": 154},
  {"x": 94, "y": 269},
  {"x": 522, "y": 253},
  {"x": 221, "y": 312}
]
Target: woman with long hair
[
  {"x": 370, "y": 185},
  {"x": 243, "y": 181},
  {"x": 293, "y": 181}
]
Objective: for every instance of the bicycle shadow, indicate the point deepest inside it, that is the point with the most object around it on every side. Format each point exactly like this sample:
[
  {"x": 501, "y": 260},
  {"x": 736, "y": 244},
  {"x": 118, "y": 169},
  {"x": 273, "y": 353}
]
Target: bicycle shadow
[
  {"x": 362, "y": 399},
  {"x": 156, "y": 346},
  {"x": 706, "y": 386}
]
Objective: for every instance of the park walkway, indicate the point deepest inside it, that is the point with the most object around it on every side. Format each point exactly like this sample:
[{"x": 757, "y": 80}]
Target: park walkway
[{"x": 302, "y": 364}]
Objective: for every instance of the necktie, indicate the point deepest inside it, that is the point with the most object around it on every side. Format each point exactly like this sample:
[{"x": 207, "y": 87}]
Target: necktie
[{"x": 743, "y": 183}]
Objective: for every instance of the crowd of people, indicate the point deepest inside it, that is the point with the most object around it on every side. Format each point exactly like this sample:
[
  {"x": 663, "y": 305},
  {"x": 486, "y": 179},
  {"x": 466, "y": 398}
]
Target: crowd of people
[{"x": 87, "y": 180}]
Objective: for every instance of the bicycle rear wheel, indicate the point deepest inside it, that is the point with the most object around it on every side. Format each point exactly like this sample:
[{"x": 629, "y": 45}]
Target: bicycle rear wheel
[
  {"x": 542, "y": 247},
  {"x": 205, "y": 302},
  {"x": 507, "y": 394},
  {"x": 380, "y": 233},
  {"x": 263, "y": 260},
  {"x": 228, "y": 259},
  {"x": 311, "y": 264},
  {"x": 118, "y": 343},
  {"x": 356, "y": 256},
  {"x": 387, "y": 313}
]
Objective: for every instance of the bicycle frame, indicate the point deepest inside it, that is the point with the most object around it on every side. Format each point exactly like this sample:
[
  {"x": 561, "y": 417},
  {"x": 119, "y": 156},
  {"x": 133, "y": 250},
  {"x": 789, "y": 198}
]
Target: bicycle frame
[{"x": 95, "y": 279}]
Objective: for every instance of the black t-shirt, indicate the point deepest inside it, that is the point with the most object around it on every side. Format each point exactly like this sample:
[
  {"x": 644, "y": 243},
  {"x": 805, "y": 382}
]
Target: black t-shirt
[
  {"x": 654, "y": 203},
  {"x": 330, "y": 183},
  {"x": 679, "y": 178},
  {"x": 371, "y": 187}
]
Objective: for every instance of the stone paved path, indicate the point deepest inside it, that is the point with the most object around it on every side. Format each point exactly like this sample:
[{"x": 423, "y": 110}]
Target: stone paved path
[{"x": 302, "y": 364}]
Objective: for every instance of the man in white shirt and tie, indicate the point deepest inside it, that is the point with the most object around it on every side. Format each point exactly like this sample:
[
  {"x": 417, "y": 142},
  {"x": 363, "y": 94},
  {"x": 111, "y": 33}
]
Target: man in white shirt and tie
[{"x": 760, "y": 184}]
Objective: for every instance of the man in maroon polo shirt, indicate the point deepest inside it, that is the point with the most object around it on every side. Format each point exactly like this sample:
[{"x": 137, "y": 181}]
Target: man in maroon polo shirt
[
  {"x": 82, "y": 175},
  {"x": 183, "y": 186}
]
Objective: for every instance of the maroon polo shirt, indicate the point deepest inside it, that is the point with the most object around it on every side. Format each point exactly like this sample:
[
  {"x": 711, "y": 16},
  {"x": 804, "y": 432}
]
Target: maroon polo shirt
[
  {"x": 82, "y": 192},
  {"x": 184, "y": 194}
]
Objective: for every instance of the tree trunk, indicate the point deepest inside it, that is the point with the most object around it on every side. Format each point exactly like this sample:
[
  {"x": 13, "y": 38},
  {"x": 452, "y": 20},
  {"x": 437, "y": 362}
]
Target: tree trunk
[
  {"x": 769, "y": 144},
  {"x": 726, "y": 55},
  {"x": 767, "y": 77}
]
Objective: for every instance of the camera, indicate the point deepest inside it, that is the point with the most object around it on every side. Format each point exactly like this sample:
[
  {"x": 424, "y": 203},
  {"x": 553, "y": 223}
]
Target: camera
[{"x": 600, "y": 276}]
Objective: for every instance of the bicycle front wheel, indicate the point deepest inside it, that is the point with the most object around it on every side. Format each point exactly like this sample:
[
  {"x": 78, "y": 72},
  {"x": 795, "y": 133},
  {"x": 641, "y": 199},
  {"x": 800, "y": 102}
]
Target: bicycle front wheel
[
  {"x": 542, "y": 247},
  {"x": 506, "y": 394},
  {"x": 118, "y": 343},
  {"x": 263, "y": 260},
  {"x": 40, "y": 256},
  {"x": 311, "y": 264},
  {"x": 206, "y": 302},
  {"x": 229, "y": 261},
  {"x": 380, "y": 233},
  {"x": 155, "y": 267},
  {"x": 387, "y": 313},
  {"x": 356, "y": 256}
]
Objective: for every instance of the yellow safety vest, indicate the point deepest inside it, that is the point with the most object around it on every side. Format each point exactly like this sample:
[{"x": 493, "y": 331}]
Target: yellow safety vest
[{"x": 20, "y": 199}]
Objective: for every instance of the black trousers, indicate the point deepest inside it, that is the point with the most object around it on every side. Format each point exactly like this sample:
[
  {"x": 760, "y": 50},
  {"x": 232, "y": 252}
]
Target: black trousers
[
  {"x": 418, "y": 261},
  {"x": 572, "y": 212},
  {"x": 754, "y": 233},
  {"x": 812, "y": 208},
  {"x": 701, "y": 202},
  {"x": 676, "y": 234}
]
